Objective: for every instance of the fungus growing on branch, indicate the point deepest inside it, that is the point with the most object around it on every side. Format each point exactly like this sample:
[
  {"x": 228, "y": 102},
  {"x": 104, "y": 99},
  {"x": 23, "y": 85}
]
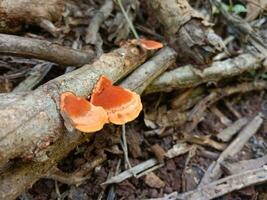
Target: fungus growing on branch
[
  {"x": 121, "y": 105},
  {"x": 81, "y": 114}
]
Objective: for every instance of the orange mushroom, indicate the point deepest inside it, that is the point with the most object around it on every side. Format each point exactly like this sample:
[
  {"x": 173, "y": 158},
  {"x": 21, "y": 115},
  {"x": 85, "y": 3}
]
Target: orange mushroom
[
  {"x": 122, "y": 105},
  {"x": 81, "y": 114},
  {"x": 147, "y": 44},
  {"x": 150, "y": 44}
]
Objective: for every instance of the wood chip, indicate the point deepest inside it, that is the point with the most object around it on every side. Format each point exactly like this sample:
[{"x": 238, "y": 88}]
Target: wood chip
[
  {"x": 159, "y": 152},
  {"x": 230, "y": 131},
  {"x": 152, "y": 180}
]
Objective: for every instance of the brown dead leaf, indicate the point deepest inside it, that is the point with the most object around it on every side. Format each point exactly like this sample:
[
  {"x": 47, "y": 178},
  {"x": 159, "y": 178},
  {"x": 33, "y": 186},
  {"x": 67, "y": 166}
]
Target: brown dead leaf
[
  {"x": 152, "y": 180},
  {"x": 159, "y": 152},
  {"x": 254, "y": 8}
]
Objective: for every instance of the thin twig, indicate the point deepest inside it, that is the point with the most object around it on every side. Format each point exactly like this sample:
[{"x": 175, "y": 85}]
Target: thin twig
[
  {"x": 128, "y": 20},
  {"x": 125, "y": 148}
]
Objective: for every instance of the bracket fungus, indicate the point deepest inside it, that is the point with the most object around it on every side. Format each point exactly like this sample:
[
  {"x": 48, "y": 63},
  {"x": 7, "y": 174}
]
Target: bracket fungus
[
  {"x": 81, "y": 114},
  {"x": 121, "y": 105}
]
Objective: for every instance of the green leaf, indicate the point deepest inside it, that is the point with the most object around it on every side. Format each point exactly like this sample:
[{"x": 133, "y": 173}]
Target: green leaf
[{"x": 239, "y": 8}]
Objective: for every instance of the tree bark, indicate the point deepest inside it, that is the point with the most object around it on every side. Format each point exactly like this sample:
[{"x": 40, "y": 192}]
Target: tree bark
[
  {"x": 44, "y": 50},
  {"x": 15, "y": 13},
  {"x": 187, "y": 31}
]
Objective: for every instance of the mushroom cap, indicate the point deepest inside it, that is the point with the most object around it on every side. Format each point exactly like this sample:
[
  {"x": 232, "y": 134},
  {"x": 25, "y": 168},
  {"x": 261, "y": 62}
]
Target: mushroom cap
[
  {"x": 122, "y": 105},
  {"x": 83, "y": 115},
  {"x": 150, "y": 44}
]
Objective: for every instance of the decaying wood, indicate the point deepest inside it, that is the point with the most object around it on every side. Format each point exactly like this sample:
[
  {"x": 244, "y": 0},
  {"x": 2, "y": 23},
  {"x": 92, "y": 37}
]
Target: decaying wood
[
  {"x": 34, "y": 119},
  {"x": 44, "y": 50},
  {"x": 214, "y": 172},
  {"x": 188, "y": 76},
  {"x": 186, "y": 30},
  {"x": 40, "y": 125},
  {"x": 16, "y": 13},
  {"x": 222, "y": 186}
]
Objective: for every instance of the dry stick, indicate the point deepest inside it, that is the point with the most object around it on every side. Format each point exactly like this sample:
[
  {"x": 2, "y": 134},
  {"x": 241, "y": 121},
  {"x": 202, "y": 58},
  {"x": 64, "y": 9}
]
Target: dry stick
[
  {"x": 244, "y": 165},
  {"x": 32, "y": 126},
  {"x": 187, "y": 30},
  {"x": 115, "y": 65},
  {"x": 44, "y": 50},
  {"x": 148, "y": 166},
  {"x": 227, "y": 134},
  {"x": 125, "y": 148},
  {"x": 222, "y": 186},
  {"x": 130, "y": 172},
  {"x": 36, "y": 75},
  {"x": 96, "y": 22},
  {"x": 188, "y": 76},
  {"x": 238, "y": 143},
  {"x": 142, "y": 76}
]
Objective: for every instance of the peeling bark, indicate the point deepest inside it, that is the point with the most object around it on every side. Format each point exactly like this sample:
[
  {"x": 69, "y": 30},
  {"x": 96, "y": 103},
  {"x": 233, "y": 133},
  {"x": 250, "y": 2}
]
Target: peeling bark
[
  {"x": 187, "y": 31},
  {"x": 15, "y": 13}
]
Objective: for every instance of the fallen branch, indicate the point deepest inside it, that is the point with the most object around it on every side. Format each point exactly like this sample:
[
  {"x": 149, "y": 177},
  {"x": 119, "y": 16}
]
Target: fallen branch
[
  {"x": 39, "y": 106},
  {"x": 44, "y": 50},
  {"x": 150, "y": 70},
  {"x": 55, "y": 145},
  {"x": 187, "y": 31},
  {"x": 188, "y": 76}
]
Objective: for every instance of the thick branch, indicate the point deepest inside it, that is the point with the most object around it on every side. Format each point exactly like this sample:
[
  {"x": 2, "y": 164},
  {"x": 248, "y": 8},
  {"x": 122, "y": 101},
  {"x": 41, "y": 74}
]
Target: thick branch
[
  {"x": 15, "y": 13},
  {"x": 44, "y": 50},
  {"x": 25, "y": 175},
  {"x": 32, "y": 123},
  {"x": 186, "y": 30}
]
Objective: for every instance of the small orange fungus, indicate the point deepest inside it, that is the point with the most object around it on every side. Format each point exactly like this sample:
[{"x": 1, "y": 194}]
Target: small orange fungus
[
  {"x": 150, "y": 44},
  {"x": 121, "y": 105},
  {"x": 81, "y": 114}
]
